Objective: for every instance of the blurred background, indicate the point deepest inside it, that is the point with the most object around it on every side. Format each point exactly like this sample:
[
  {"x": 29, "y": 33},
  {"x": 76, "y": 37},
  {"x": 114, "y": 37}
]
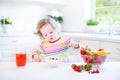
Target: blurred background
[{"x": 75, "y": 16}]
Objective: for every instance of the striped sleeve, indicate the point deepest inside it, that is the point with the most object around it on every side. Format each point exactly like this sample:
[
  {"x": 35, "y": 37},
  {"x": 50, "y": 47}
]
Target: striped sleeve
[{"x": 38, "y": 51}]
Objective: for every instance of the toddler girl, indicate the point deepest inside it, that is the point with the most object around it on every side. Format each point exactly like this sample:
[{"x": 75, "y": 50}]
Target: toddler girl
[{"x": 52, "y": 44}]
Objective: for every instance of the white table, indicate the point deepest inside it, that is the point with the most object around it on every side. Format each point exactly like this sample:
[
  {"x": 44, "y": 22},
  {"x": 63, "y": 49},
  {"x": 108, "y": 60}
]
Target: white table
[{"x": 40, "y": 71}]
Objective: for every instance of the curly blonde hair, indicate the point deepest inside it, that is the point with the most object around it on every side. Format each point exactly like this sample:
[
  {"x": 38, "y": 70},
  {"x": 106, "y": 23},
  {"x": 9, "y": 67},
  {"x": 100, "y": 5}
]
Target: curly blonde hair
[{"x": 43, "y": 22}]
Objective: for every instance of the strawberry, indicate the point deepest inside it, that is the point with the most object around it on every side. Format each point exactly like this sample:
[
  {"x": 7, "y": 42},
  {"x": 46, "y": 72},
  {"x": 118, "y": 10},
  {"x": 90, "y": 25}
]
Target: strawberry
[
  {"x": 73, "y": 66},
  {"x": 77, "y": 68},
  {"x": 81, "y": 67},
  {"x": 97, "y": 71},
  {"x": 89, "y": 60},
  {"x": 89, "y": 72},
  {"x": 83, "y": 52},
  {"x": 88, "y": 67},
  {"x": 100, "y": 49}
]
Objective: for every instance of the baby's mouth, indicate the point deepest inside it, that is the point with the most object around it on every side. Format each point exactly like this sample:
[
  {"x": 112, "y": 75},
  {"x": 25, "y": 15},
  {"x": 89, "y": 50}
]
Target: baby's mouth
[{"x": 53, "y": 40}]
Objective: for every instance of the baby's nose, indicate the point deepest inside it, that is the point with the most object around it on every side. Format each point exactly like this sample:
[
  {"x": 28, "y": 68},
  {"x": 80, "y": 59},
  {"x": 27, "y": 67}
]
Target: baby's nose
[{"x": 50, "y": 35}]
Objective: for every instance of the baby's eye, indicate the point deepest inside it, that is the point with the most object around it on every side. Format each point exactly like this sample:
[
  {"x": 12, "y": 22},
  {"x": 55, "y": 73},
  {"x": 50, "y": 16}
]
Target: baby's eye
[
  {"x": 45, "y": 35},
  {"x": 51, "y": 32}
]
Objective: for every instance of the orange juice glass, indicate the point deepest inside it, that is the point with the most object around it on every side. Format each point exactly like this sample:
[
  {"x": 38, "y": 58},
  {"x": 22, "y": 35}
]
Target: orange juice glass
[{"x": 21, "y": 59}]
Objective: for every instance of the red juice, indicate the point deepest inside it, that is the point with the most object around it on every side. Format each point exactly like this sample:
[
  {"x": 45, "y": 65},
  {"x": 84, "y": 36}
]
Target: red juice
[{"x": 21, "y": 59}]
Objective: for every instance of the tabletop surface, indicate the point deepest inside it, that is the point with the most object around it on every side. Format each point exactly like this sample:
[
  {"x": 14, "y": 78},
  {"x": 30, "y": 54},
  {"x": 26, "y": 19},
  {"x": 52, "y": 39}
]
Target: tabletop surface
[{"x": 41, "y": 71}]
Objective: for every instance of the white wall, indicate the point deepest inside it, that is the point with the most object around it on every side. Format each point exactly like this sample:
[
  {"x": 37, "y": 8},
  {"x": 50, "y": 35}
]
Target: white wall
[
  {"x": 24, "y": 17},
  {"x": 25, "y": 14},
  {"x": 89, "y": 9},
  {"x": 74, "y": 16}
]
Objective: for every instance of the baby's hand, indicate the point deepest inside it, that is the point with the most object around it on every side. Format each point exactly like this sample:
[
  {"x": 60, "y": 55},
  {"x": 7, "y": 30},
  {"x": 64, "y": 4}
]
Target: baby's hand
[
  {"x": 36, "y": 58},
  {"x": 74, "y": 45}
]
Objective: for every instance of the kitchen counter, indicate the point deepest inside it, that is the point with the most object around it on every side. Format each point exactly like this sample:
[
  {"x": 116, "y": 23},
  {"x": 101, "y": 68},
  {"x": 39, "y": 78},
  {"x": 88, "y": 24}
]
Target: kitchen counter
[
  {"x": 41, "y": 71},
  {"x": 90, "y": 36}
]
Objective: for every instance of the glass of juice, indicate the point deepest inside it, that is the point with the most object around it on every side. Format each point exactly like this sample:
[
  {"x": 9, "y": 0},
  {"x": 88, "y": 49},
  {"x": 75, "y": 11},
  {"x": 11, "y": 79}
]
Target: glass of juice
[{"x": 21, "y": 59}]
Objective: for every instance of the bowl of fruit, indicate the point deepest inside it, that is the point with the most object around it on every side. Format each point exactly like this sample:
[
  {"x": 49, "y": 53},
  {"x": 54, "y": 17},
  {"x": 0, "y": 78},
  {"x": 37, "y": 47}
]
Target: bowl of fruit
[
  {"x": 52, "y": 61},
  {"x": 95, "y": 58}
]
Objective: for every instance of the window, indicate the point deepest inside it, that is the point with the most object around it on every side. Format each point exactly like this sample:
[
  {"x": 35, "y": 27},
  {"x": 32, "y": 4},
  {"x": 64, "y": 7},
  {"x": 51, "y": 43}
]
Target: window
[{"x": 108, "y": 14}]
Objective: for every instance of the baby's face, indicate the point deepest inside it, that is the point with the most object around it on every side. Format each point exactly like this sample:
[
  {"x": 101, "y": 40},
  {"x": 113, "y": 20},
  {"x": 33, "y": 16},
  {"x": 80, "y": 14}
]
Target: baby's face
[{"x": 49, "y": 33}]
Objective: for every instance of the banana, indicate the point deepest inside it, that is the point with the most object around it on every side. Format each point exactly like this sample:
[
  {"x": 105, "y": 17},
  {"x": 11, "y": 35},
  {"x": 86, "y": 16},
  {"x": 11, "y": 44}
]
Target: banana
[
  {"x": 102, "y": 53},
  {"x": 88, "y": 52}
]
